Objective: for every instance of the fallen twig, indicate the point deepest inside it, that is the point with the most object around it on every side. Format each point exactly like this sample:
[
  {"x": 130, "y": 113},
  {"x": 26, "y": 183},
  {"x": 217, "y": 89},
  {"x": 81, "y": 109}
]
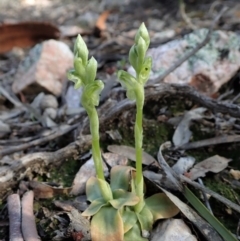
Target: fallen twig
[
  {"x": 14, "y": 213},
  {"x": 42, "y": 140},
  {"x": 41, "y": 159},
  {"x": 208, "y": 142},
  {"x": 158, "y": 91},
  {"x": 184, "y": 15},
  {"x": 28, "y": 219},
  {"x": 15, "y": 102}
]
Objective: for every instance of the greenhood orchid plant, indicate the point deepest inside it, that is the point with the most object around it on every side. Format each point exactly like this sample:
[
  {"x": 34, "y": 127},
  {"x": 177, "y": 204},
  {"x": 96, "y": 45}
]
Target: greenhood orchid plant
[{"x": 119, "y": 210}]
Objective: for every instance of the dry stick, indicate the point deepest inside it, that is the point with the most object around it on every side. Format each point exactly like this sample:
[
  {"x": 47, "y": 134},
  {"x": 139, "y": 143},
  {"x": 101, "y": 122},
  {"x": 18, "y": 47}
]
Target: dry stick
[
  {"x": 184, "y": 15},
  {"x": 25, "y": 146},
  {"x": 157, "y": 91},
  {"x": 14, "y": 213},
  {"x": 16, "y": 103},
  {"x": 211, "y": 141},
  {"x": 28, "y": 219},
  {"x": 193, "y": 51}
]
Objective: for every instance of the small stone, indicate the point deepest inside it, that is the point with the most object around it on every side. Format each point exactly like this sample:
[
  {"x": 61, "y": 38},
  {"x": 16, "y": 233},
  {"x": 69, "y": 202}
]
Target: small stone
[
  {"x": 50, "y": 112},
  {"x": 44, "y": 69},
  {"x": 49, "y": 101}
]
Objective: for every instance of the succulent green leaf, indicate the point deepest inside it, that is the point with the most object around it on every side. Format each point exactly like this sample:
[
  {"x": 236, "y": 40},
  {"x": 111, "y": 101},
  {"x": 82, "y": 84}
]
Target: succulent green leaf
[
  {"x": 91, "y": 70},
  {"x": 161, "y": 206},
  {"x": 72, "y": 76},
  {"x": 94, "y": 207},
  {"x": 133, "y": 58},
  {"x": 91, "y": 92},
  {"x": 120, "y": 177},
  {"x": 123, "y": 198},
  {"x": 92, "y": 189},
  {"x": 145, "y": 219},
  {"x": 142, "y": 32},
  {"x": 81, "y": 50},
  {"x": 145, "y": 70},
  {"x": 129, "y": 219},
  {"x": 107, "y": 225},
  {"x": 134, "y": 234},
  {"x": 128, "y": 82}
]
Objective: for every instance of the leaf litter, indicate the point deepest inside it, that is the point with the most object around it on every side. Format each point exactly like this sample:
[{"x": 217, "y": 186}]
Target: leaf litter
[{"x": 22, "y": 123}]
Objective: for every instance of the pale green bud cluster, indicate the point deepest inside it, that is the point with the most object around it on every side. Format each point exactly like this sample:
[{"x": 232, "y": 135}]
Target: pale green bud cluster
[
  {"x": 84, "y": 74},
  {"x": 141, "y": 64}
]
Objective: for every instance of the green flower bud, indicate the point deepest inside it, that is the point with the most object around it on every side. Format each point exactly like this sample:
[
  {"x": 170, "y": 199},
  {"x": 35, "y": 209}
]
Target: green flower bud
[
  {"x": 91, "y": 70},
  {"x": 141, "y": 48},
  {"x": 142, "y": 32},
  {"x": 79, "y": 68},
  {"x": 133, "y": 58},
  {"x": 81, "y": 50},
  {"x": 74, "y": 77},
  {"x": 145, "y": 70},
  {"x": 90, "y": 96},
  {"x": 128, "y": 82}
]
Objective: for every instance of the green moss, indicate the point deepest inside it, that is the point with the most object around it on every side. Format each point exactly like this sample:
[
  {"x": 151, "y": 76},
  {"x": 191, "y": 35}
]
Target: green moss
[{"x": 64, "y": 174}]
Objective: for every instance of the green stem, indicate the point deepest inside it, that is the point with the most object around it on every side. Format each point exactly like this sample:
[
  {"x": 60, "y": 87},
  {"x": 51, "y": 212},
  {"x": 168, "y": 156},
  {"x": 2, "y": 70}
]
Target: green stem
[
  {"x": 138, "y": 132},
  {"x": 96, "y": 151}
]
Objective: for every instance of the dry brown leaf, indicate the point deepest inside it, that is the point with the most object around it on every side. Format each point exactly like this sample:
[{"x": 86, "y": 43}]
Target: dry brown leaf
[
  {"x": 129, "y": 152},
  {"x": 235, "y": 174},
  {"x": 212, "y": 164},
  {"x": 44, "y": 191},
  {"x": 25, "y": 34}
]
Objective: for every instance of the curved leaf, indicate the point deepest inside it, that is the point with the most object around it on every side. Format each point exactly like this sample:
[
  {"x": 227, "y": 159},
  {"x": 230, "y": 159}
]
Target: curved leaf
[
  {"x": 94, "y": 207},
  {"x": 120, "y": 177},
  {"x": 123, "y": 198},
  {"x": 134, "y": 234},
  {"x": 129, "y": 219},
  {"x": 107, "y": 225},
  {"x": 145, "y": 219},
  {"x": 92, "y": 189},
  {"x": 71, "y": 75},
  {"x": 161, "y": 206}
]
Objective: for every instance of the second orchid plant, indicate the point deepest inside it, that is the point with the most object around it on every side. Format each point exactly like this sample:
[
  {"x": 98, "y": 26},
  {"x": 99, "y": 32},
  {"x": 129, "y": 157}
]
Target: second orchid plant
[{"x": 118, "y": 209}]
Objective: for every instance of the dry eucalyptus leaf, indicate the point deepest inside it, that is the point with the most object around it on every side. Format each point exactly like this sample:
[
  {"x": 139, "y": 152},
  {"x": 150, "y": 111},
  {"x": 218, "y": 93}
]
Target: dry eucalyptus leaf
[
  {"x": 212, "y": 164},
  {"x": 129, "y": 152},
  {"x": 182, "y": 133},
  {"x": 44, "y": 191},
  {"x": 235, "y": 174},
  {"x": 183, "y": 164}
]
